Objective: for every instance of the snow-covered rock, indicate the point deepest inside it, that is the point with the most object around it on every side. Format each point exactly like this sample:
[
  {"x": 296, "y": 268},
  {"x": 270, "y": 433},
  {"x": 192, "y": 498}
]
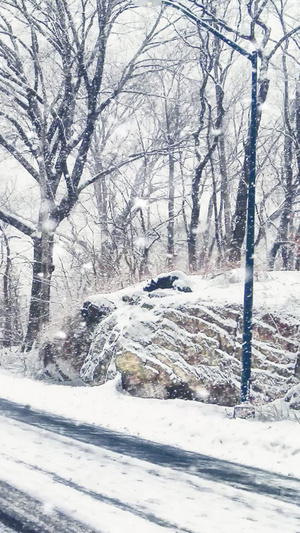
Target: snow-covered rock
[
  {"x": 166, "y": 348},
  {"x": 293, "y": 397},
  {"x": 62, "y": 352},
  {"x": 92, "y": 311},
  {"x": 188, "y": 345}
]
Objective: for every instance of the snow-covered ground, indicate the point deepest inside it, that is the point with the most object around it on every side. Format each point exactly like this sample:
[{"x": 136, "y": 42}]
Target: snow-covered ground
[
  {"x": 273, "y": 444},
  {"x": 36, "y": 461},
  {"x": 211, "y": 430},
  {"x": 129, "y": 491},
  {"x": 270, "y": 442}
]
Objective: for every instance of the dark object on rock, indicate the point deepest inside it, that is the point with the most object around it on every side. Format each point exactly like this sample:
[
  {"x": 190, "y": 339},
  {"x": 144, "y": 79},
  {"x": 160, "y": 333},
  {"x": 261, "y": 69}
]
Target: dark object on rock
[
  {"x": 94, "y": 313},
  {"x": 161, "y": 283},
  {"x": 90, "y": 312},
  {"x": 173, "y": 280}
]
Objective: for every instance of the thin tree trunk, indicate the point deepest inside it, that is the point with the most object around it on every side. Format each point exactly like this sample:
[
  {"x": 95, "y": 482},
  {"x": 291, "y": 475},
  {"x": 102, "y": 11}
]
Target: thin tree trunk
[
  {"x": 171, "y": 238},
  {"x": 192, "y": 236},
  {"x": 193, "y": 229},
  {"x": 297, "y": 249},
  {"x": 285, "y": 227},
  {"x": 8, "y": 310},
  {"x": 203, "y": 256},
  {"x": 225, "y": 197},
  {"x": 288, "y": 208},
  {"x": 218, "y": 236}
]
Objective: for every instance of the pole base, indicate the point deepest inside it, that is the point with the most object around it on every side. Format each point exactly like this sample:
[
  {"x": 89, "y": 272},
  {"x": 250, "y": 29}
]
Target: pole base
[{"x": 244, "y": 410}]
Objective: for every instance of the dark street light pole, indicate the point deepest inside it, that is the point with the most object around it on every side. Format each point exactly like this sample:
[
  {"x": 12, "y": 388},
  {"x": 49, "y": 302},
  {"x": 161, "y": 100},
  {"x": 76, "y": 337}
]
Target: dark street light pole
[
  {"x": 249, "y": 270},
  {"x": 248, "y": 290}
]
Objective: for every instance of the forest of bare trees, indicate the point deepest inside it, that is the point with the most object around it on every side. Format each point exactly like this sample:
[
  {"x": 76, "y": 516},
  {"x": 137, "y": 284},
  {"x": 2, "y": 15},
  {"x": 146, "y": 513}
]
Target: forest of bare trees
[{"x": 124, "y": 146}]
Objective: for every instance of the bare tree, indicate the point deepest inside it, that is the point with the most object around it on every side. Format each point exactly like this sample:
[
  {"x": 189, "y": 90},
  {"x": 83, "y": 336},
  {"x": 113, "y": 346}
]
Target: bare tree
[
  {"x": 259, "y": 35},
  {"x": 54, "y": 88},
  {"x": 11, "y": 317},
  {"x": 287, "y": 241}
]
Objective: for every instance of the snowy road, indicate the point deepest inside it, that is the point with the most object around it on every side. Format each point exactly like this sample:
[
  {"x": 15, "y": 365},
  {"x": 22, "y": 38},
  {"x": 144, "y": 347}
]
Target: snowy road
[
  {"x": 78, "y": 477},
  {"x": 22, "y": 513}
]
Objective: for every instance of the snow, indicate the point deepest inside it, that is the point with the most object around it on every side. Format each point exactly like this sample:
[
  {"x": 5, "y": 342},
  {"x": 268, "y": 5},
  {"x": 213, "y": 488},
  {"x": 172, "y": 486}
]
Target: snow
[
  {"x": 34, "y": 459},
  {"x": 119, "y": 478},
  {"x": 140, "y": 203},
  {"x": 147, "y": 3},
  {"x": 207, "y": 429},
  {"x": 174, "y": 497},
  {"x": 60, "y": 335},
  {"x": 275, "y": 291}
]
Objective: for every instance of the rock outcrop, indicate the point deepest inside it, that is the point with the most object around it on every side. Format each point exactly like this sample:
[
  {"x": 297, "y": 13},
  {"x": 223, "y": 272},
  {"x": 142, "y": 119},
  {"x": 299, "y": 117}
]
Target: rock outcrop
[
  {"x": 191, "y": 350},
  {"x": 169, "y": 344}
]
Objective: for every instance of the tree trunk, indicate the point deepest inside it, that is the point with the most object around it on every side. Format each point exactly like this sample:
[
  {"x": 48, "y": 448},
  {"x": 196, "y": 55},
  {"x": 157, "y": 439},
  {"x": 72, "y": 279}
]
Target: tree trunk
[
  {"x": 225, "y": 195},
  {"x": 39, "y": 310},
  {"x": 283, "y": 241},
  {"x": 217, "y": 126},
  {"x": 8, "y": 311},
  {"x": 218, "y": 233},
  {"x": 239, "y": 230},
  {"x": 193, "y": 228},
  {"x": 171, "y": 238},
  {"x": 297, "y": 249},
  {"x": 203, "y": 256},
  {"x": 101, "y": 196},
  {"x": 195, "y": 214}
]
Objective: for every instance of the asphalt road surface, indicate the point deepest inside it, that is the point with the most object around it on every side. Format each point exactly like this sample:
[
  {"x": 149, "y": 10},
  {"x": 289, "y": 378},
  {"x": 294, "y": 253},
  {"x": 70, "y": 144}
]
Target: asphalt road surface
[{"x": 21, "y": 512}]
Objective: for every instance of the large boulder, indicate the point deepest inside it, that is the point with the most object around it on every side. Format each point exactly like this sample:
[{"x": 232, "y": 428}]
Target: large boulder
[
  {"x": 182, "y": 345},
  {"x": 186, "y": 348}
]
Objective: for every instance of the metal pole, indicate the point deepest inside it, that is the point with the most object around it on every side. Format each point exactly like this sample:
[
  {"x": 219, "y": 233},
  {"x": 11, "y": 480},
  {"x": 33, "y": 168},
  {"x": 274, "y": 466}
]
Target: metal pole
[
  {"x": 249, "y": 270},
  {"x": 186, "y": 11},
  {"x": 251, "y": 156}
]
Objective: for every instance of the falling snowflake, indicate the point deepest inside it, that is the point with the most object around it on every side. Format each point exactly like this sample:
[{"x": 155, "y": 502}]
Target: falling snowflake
[{"x": 140, "y": 203}]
